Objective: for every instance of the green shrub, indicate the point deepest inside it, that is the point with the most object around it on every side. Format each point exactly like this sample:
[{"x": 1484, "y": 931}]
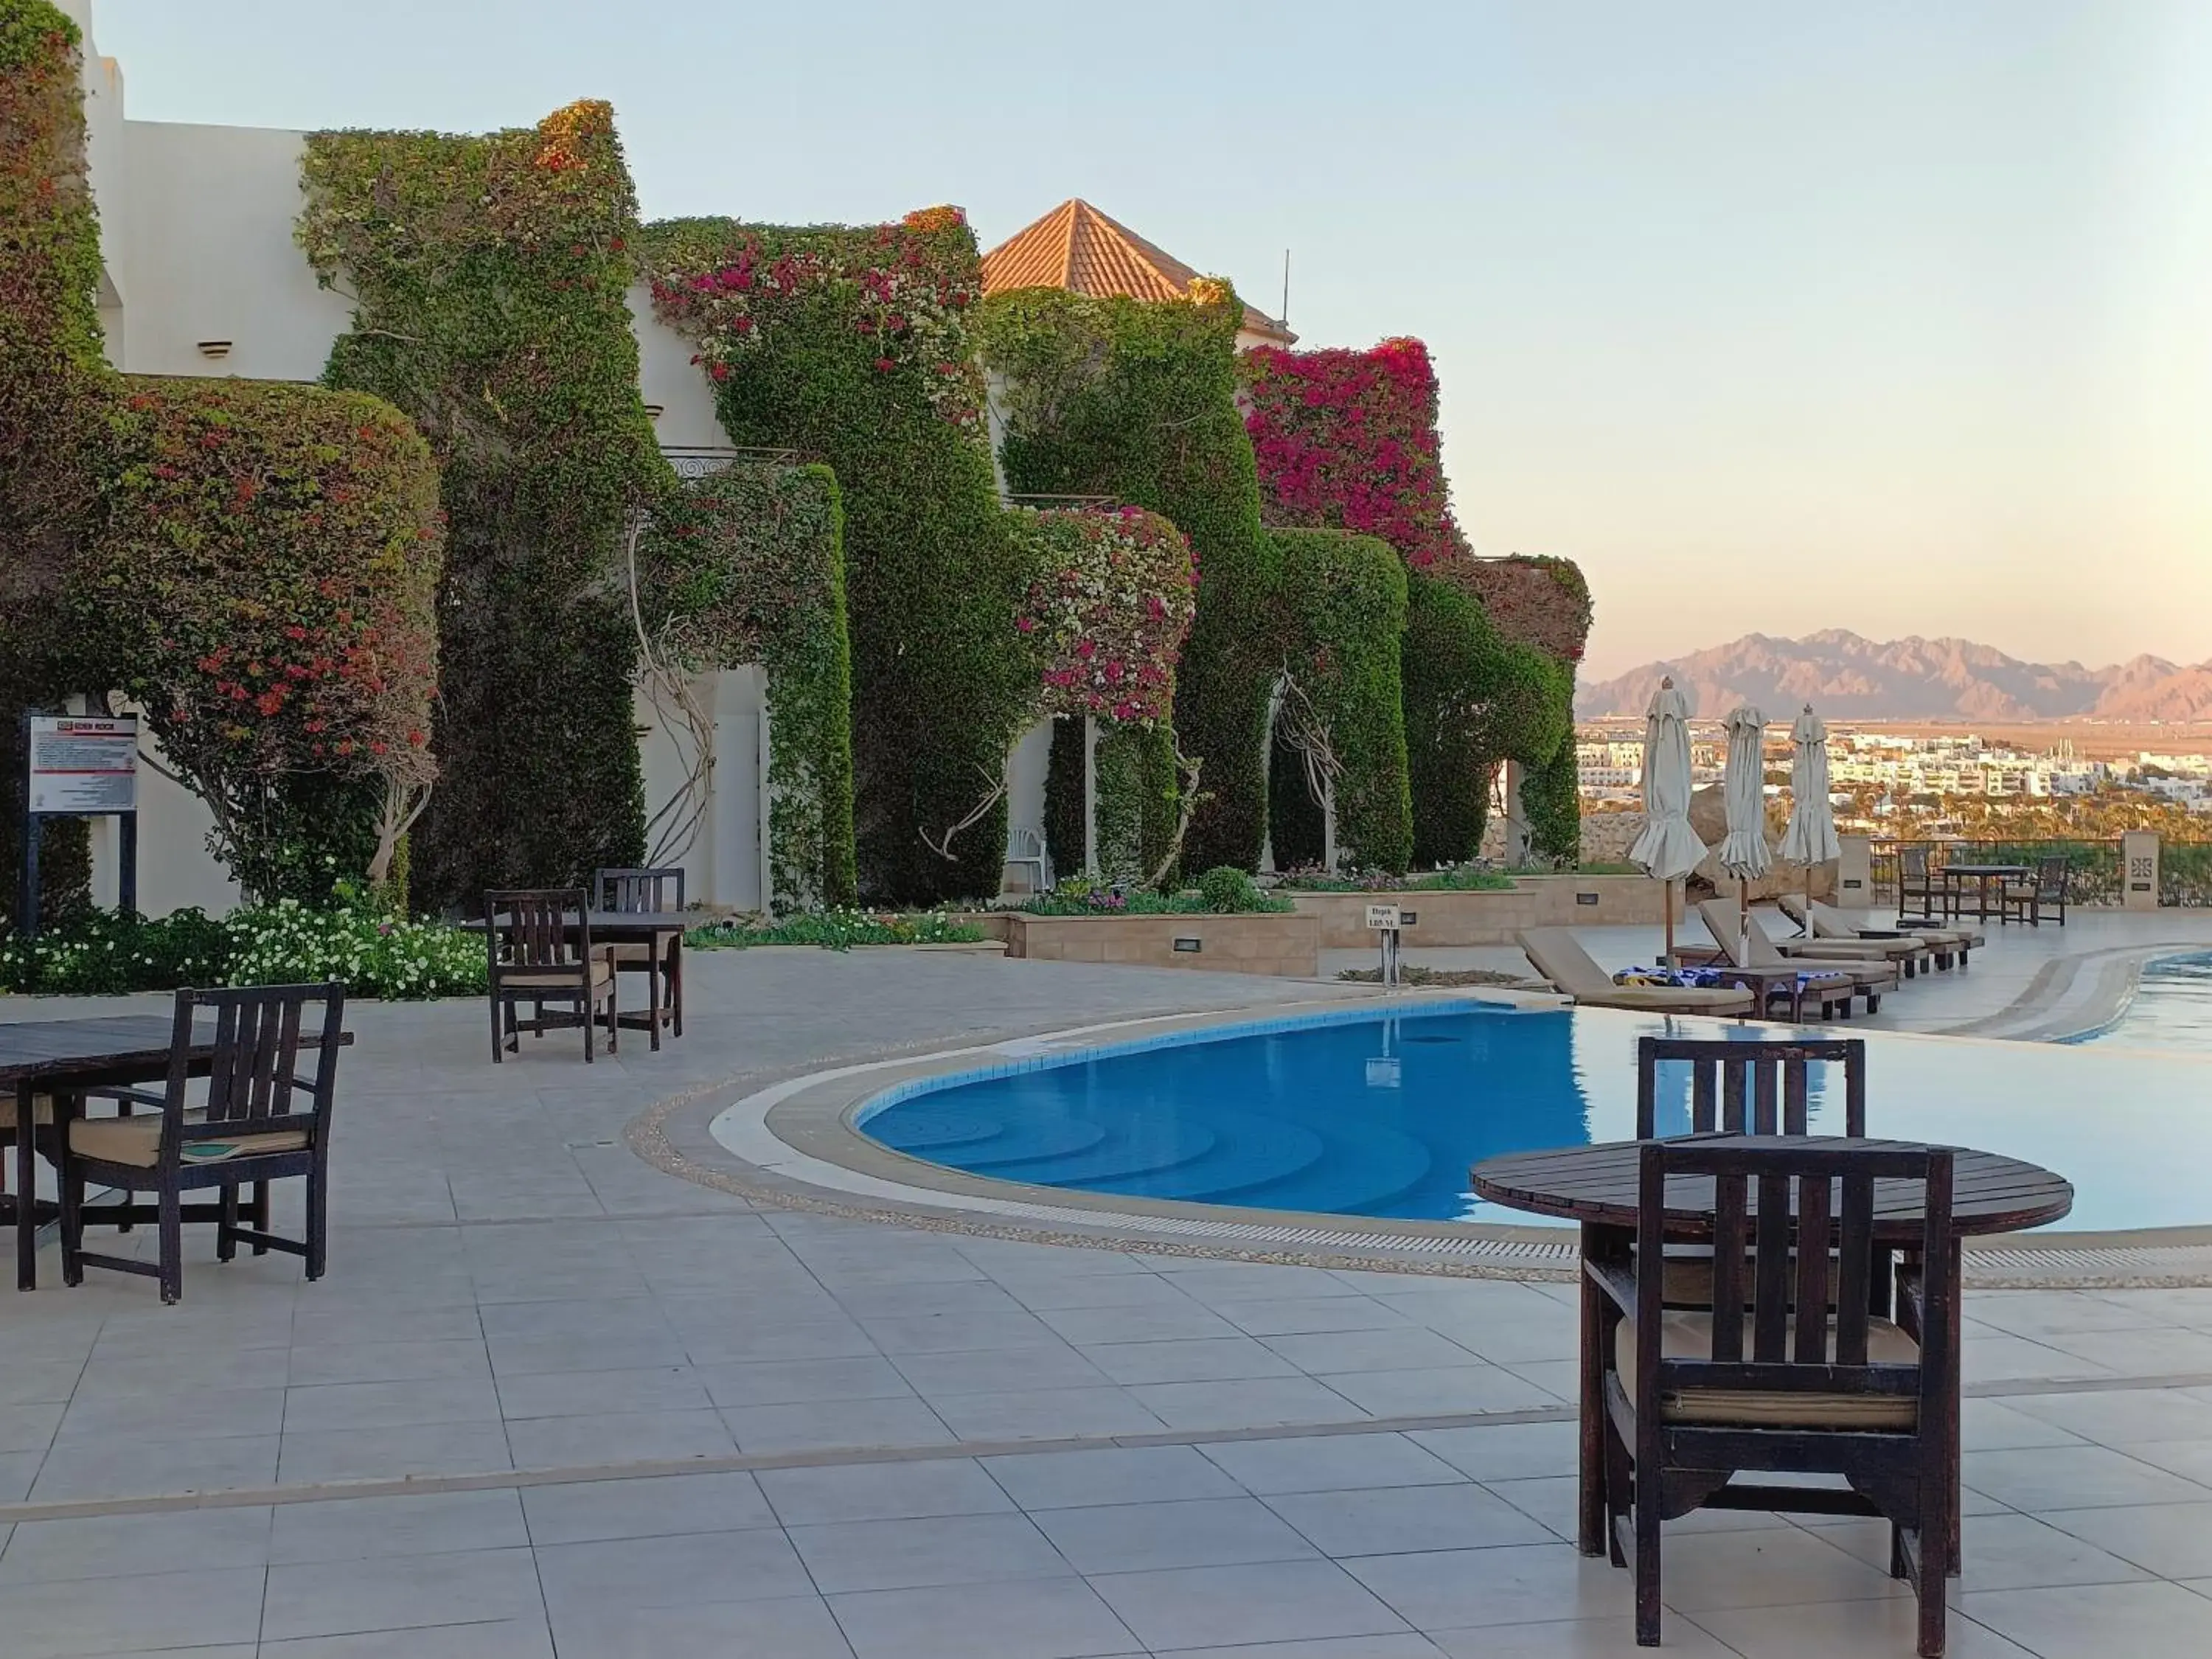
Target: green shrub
[
  {"x": 1229, "y": 890},
  {"x": 110, "y": 952}
]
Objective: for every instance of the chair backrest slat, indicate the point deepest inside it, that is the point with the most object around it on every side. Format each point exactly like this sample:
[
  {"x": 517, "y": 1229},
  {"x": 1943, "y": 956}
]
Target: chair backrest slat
[
  {"x": 1812, "y": 1347},
  {"x": 1732, "y": 1092},
  {"x": 1728, "y": 1266},
  {"x": 1702, "y": 1121},
  {"x": 1855, "y": 1271},
  {"x": 1796, "y": 1098},
  {"x": 1769, "y": 1309},
  {"x": 1766, "y": 1077}
]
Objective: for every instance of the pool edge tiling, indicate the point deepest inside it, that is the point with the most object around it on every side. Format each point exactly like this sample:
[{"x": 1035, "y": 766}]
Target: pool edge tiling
[{"x": 794, "y": 1142}]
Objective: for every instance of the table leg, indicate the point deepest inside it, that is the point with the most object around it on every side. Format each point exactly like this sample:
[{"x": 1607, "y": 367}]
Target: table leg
[
  {"x": 1958, "y": 1367},
  {"x": 26, "y": 1170},
  {"x": 1591, "y": 1531}
]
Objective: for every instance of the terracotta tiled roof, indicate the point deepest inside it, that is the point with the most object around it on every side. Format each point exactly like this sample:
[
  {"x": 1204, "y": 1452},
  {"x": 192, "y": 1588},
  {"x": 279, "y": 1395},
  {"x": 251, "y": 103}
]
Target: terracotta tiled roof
[{"x": 1077, "y": 248}]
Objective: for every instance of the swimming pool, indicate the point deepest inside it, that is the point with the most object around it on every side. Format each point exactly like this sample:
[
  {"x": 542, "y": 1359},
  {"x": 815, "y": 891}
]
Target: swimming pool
[
  {"x": 2171, "y": 1008},
  {"x": 1380, "y": 1114}
]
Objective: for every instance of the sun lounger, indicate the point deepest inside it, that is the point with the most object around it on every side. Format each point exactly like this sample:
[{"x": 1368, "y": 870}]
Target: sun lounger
[
  {"x": 1907, "y": 953},
  {"x": 1559, "y": 957},
  {"x": 1828, "y": 922},
  {"x": 1748, "y": 946}
]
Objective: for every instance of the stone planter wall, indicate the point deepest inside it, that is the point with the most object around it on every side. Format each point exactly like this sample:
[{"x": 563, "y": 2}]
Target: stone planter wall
[
  {"x": 1287, "y": 946},
  {"x": 1445, "y": 918}
]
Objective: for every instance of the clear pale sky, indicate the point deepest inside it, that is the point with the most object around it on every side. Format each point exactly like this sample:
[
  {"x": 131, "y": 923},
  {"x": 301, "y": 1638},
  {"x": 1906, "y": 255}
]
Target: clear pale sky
[{"x": 1893, "y": 317}]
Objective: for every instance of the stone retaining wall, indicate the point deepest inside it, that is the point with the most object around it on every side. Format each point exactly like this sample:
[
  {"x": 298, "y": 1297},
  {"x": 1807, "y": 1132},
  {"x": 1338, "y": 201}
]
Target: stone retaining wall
[
  {"x": 1287, "y": 946},
  {"x": 1445, "y": 918}
]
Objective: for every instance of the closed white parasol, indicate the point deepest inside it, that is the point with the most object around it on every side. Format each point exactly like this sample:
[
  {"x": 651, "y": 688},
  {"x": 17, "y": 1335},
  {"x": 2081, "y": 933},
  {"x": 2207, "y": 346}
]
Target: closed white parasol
[
  {"x": 1669, "y": 849},
  {"x": 1810, "y": 839},
  {"x": 1743, "y": 798}
]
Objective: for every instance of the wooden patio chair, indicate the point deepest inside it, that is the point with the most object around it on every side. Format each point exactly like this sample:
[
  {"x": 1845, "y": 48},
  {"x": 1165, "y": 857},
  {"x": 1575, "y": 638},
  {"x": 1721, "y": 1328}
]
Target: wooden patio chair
[
  {"x": 1827, "y": 1387},
  {"x": 2046, "y": 890},
  {"x": 540, "y": 945},
  {"x": 649, "y": 893},
  {"x": 261, "y": 1120},
  {"x": 1922, "y": 892}
]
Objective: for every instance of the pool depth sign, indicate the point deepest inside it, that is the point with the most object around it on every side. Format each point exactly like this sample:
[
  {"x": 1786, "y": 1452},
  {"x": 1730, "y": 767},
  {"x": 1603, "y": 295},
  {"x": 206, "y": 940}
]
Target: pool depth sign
[
  {"x": 79, "y": 766},
  {"x": 1385, "y": 921}
]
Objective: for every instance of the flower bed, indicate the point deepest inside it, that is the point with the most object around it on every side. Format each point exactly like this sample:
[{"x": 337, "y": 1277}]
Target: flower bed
[
  {"x": 354, "y": 939},
  {"x": 838, "y": 930}
]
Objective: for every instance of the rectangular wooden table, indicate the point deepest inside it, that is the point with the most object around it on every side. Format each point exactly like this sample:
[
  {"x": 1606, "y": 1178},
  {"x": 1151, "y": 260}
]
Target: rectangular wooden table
[
  {"x": 70, "y": 1056},
  {"x": 1954, "y": 895}
]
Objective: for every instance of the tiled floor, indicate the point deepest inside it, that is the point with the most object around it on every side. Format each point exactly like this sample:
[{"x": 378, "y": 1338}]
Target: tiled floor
[{"x": 647, "y": 1420}]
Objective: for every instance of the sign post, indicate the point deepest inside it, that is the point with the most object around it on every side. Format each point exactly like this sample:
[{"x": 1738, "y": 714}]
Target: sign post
[
  {"x": 1383, "y": 919},
  {"x": 79, "y": 766}
]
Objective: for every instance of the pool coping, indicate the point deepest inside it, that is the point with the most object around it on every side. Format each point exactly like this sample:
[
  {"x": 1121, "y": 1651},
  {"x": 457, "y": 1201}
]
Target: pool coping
[{"x": 796, "y": 1141}]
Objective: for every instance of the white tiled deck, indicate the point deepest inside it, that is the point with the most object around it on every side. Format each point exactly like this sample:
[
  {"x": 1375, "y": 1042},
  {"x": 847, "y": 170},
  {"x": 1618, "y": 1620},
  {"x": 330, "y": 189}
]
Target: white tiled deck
[{"x": 553, "y": 1401}]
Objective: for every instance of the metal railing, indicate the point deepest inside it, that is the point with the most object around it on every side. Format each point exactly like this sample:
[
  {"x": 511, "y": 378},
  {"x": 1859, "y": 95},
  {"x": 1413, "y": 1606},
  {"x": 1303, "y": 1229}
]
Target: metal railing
[
  {"x": 2184, "y": 873},
  {"x": 2093, "y": 873}
]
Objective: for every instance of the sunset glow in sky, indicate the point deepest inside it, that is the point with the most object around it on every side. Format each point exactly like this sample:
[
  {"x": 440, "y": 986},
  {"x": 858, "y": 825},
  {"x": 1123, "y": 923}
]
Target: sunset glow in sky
[{"x": 1891, "y": 317}]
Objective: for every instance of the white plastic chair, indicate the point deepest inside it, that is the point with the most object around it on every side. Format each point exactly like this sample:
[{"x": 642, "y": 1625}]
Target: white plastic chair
[{"x": 1025, "y": 850}]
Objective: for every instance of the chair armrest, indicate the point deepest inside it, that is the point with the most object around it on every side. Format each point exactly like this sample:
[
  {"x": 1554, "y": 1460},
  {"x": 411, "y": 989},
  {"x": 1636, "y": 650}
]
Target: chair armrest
[
  {"x": 1615, "y": 1282},
  {"x": 1911, "y": 1289},
  {"x": 133, "y": 1097}
]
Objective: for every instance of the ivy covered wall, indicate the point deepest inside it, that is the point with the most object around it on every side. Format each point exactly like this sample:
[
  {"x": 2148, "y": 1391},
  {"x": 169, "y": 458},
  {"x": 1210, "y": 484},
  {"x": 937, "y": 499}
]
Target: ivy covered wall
[
  {"x": 1347, "y": 439},
  {"x": 852, "y": 345},
  {"x": 1136, "y": 400},
  {"x": 491, "y": 273},
  {"x": 1346, "y": 598},
  {"x": 54, "y": 384},
  {"x": 1109, "y": 609},
  {"x": 747, "y": 565}
]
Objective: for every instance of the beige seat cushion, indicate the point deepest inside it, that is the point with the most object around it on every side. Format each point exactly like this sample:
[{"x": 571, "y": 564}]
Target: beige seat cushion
[
  {"x": 1677, "y": 999},
  {"x": 640, "y": 951},
  {"x": 42, "y": 1109},
  {"x": 1687, "y": 1336},
  {"x": 137, "y": 1140},
  {"x": 563, "y": 979}
]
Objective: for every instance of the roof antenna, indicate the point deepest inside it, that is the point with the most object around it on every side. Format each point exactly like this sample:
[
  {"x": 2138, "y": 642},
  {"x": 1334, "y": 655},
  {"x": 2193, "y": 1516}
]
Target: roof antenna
[{"x": 1285, "y": 317}]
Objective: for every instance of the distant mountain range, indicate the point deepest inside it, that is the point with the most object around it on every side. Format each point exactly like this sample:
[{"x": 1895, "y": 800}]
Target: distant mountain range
[{"x": 1845, "y": 676}]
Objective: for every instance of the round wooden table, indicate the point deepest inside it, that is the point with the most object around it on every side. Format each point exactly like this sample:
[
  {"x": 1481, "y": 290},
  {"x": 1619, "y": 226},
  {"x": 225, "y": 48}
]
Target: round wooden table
[{"x": 1596, "y": 1185}]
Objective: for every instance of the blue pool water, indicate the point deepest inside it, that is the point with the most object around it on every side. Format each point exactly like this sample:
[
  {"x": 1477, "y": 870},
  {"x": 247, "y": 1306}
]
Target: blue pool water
[
  {"x": 1380, "y": 1114},
  {"x": 2171, "y": 1008}
]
